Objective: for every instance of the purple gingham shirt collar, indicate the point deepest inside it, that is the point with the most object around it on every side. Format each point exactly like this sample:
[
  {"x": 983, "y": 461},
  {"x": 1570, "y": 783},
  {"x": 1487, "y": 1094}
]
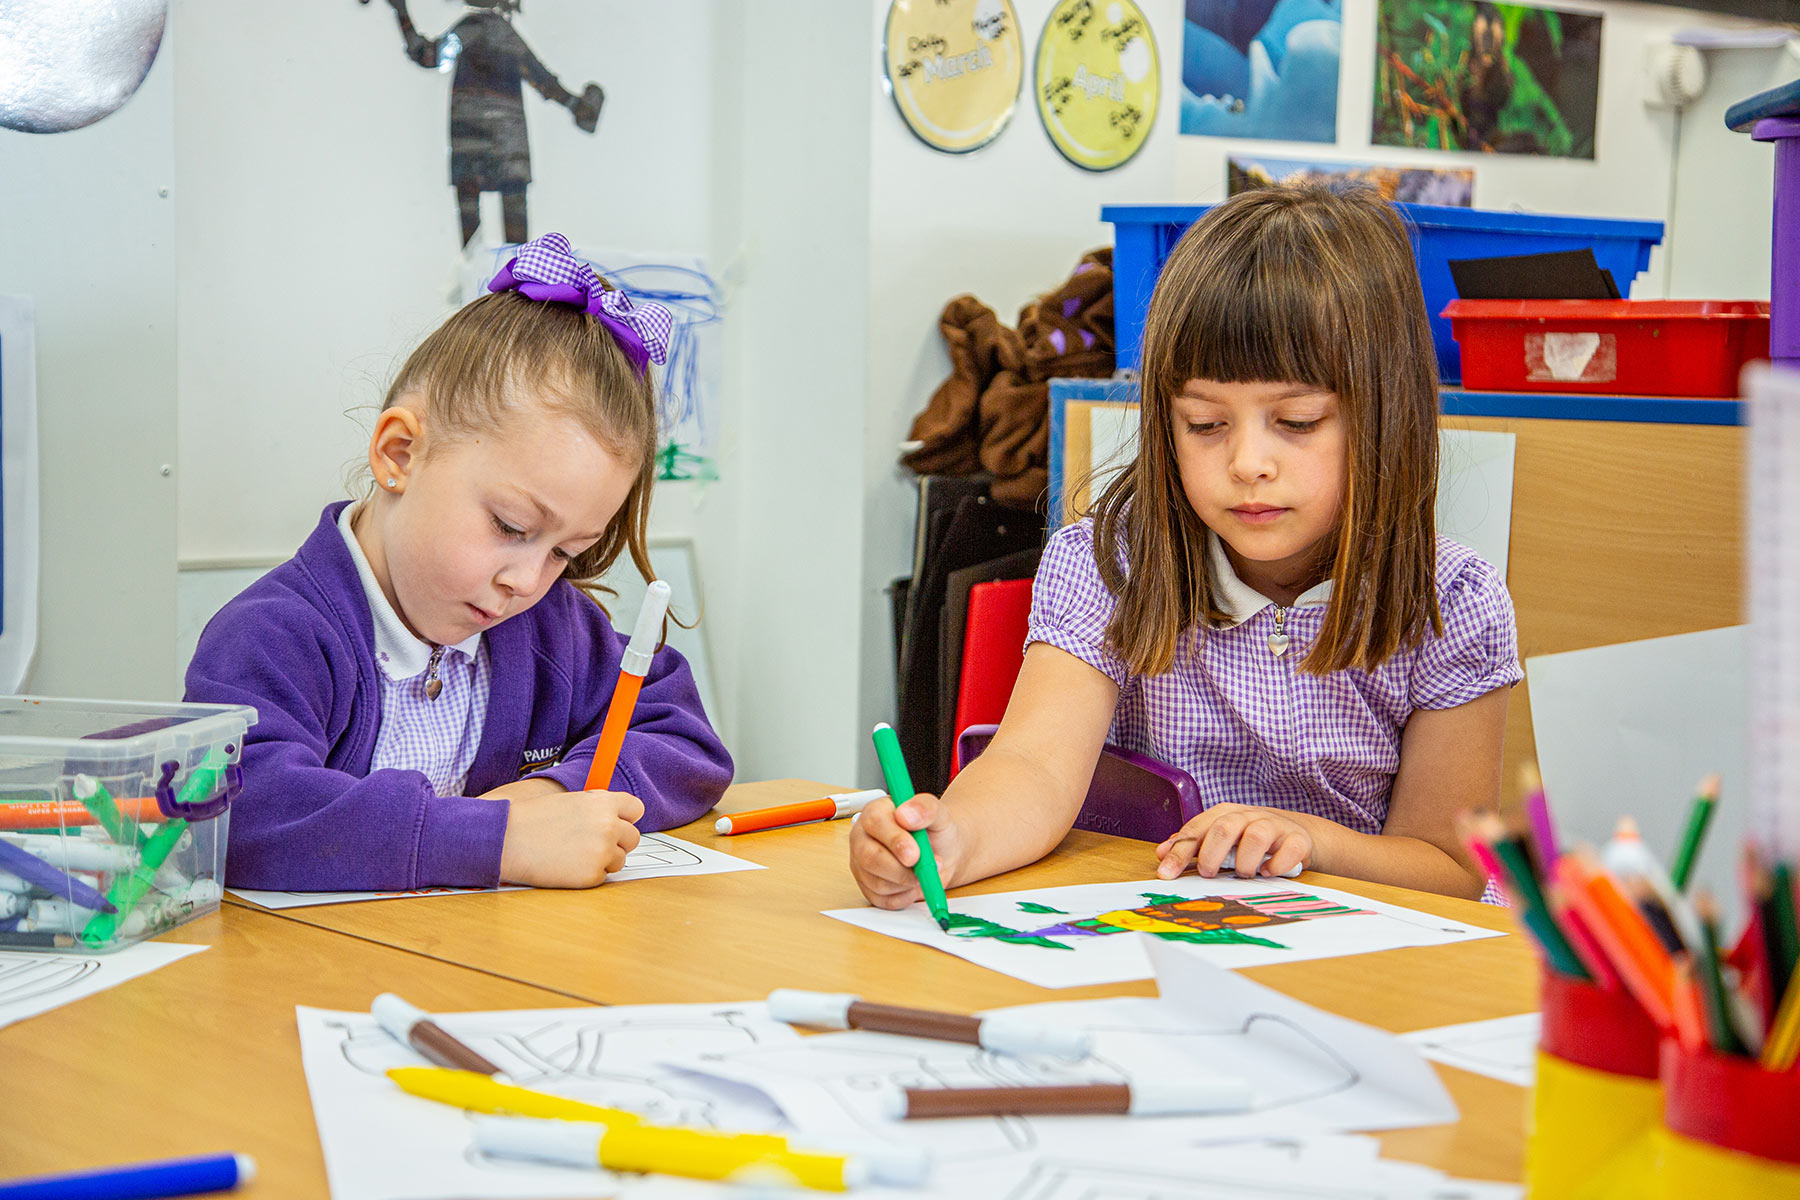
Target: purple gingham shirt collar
[
  {"x": 1238, "y": 599},
  {"x": 398, "y": 653}
]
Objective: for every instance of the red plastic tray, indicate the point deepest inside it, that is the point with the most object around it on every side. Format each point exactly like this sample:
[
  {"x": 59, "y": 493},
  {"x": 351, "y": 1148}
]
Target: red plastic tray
[{"x": 1612, "y": 347}]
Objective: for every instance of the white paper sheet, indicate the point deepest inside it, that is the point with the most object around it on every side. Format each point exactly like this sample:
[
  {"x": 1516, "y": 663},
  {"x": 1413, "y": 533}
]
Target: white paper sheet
[
  {"x": 1115, "y": 958},
  {"x": 1475, "y": 483},
  {"x": 36, "y": 983},
  {"x": 1504, "y": 1048},
  {"x": 1311, "y": 1071},
  {"x": 1316, "y": 1072},
  {"x": 1630, "y": 729},
  {"x": 382, "y": 1144},
  {"x": 657, "y": 856}
]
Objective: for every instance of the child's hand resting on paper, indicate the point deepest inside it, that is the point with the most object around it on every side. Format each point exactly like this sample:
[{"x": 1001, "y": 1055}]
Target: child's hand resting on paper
[
  {"x": 883, "y": 850},
  {"x": 562, "y": 839},
  {"x": 1264, "y": 841}
]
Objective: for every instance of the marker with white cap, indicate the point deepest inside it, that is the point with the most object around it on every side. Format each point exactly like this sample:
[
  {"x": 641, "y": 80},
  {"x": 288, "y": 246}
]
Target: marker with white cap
[
  {"x": 1001, "y": 1034},
  {"x": 634, "y": 664}
]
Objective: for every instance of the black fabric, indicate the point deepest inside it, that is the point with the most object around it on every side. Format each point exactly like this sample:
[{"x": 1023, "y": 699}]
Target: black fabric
[{"x": 976, "y": 531}]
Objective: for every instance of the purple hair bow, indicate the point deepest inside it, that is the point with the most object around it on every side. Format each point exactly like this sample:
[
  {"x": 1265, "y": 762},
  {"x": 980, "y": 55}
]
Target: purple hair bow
[{"x": 546, "y": 269}]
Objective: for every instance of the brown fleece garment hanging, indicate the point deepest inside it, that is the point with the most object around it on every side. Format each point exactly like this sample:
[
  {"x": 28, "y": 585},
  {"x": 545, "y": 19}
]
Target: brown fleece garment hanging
[
  {"x": 978, "y": 345},
  {"x": 1066, "y": 334}
]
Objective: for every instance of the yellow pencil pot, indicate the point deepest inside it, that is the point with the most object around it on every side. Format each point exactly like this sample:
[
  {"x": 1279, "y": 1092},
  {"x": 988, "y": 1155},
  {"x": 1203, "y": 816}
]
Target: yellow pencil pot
[
  {"x": 1730, "y": 1128},
  {"x": 1596, "y": 1105}
]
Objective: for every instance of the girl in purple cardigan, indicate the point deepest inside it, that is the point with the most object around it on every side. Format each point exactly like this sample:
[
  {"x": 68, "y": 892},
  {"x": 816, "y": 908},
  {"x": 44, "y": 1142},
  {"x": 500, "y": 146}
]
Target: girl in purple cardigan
[{"x": 429, "y": 672}]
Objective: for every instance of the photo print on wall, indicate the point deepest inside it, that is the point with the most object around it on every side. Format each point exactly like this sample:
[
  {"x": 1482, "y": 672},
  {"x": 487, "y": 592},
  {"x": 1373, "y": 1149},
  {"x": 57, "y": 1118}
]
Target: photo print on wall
[
  {"x": 1261, "y": 69},
  {"x": 1497, "y": 78},
  {"x": 1403, "y": 185}
]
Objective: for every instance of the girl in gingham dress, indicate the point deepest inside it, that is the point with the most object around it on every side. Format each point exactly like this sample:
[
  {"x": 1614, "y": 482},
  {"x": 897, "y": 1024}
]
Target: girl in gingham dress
[{"x": 1261, "y": 599}]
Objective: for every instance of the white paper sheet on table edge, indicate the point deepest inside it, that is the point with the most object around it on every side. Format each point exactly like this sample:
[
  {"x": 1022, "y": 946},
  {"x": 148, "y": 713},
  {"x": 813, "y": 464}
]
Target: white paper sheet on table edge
[
  {"x": 91, "y": 974},
  {"x": 1518, "y": 1033},
  {"x": 712, "y": 862}
]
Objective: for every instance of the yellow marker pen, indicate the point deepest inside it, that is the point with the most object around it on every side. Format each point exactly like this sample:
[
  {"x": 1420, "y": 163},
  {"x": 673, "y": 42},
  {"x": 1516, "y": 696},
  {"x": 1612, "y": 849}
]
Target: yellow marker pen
[
  {"x": 479, "y": 1093},
  {"x": 690, "y": 1153}
]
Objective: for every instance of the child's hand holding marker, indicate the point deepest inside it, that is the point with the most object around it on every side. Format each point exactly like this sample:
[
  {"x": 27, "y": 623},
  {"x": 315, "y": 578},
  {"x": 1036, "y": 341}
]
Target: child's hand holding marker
[
  {"x": 896, "y": 846},
  {"x": 565, "y": 839}
]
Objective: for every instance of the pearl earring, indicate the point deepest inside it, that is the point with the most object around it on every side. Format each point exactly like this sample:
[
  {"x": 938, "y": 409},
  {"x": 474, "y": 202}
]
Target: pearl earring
[{"x": 393, "y": 482}]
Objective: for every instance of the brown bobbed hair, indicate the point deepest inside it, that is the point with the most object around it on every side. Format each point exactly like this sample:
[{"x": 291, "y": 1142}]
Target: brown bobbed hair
[
  {"x": 1311, "y": 285},
  {"x": 504, "y": 352}
]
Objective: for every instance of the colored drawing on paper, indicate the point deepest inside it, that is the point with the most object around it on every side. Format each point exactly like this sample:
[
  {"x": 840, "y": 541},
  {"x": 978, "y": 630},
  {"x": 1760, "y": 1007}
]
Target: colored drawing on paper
[{"x": 1204, "y": 920}]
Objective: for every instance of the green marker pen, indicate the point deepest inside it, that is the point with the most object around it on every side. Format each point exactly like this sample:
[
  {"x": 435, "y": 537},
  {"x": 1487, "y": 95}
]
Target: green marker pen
[
  {"x": 127, "y": 890},
  {"x": 97, "y": 800},
  {"x": 900, "y": 789}
]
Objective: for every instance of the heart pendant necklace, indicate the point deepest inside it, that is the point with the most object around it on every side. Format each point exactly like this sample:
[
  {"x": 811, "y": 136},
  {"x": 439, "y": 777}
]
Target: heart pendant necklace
[
  {"x": 433, "y": 685},
  {"x": 1278, "y": 641}
]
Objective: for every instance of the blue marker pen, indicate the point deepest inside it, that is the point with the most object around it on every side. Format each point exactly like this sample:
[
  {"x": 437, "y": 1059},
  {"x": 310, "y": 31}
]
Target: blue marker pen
[{"x": 139, "y": 1181}]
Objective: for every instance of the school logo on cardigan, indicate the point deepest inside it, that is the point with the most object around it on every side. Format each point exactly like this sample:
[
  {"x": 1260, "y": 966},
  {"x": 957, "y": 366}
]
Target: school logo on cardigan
[{"x": 537, "y": 760}]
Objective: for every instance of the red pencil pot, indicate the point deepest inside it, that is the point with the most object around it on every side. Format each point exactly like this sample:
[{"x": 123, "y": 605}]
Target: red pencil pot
[
  {"x": 1597, "y": 1102},
  {"x": 1730, "y": 1127}
]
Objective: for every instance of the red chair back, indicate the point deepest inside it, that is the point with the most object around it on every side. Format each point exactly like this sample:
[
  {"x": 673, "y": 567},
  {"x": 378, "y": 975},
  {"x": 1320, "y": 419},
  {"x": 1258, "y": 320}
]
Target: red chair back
[{"x": 993, "y": 652}]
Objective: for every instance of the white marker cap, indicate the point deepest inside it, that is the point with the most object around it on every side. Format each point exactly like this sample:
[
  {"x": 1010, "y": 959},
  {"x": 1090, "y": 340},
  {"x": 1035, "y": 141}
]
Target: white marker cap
[
  {"x": 1013, "y": 1035},
  {"x": 852, "y": 803},
  {"x": 246, "y": 1169},
  {"x": 1198, "y": 1094},
  {"x": 397, "y": 1016},
  {"x": 830, "y": 1010},
  {"x": 647, "y": 632},
  {"x": 535, "y": 1139}
]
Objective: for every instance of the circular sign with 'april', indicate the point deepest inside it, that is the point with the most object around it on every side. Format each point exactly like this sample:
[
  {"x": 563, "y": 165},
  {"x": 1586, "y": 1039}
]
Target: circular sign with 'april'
[
  {"x": 1098, "y": 81},
  {"x": 954, "y": 68}
]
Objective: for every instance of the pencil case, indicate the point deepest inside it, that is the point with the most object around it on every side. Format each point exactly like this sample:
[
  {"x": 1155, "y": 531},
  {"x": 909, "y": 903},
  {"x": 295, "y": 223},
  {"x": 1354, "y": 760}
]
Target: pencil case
[
  {"x": 113, "y": 818},
  {"x": 1729, "y": 1127},
  {"x": 1597, "y": 1101}
]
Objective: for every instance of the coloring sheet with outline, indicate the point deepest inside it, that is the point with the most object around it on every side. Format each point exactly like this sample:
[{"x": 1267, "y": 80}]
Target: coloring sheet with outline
[
  {"x": 382, "y": 1144},
  {"x": 1310, "y": 1072},
  {"x": 657, "y": 855},
  {"x": 36, "y": 983},
  {"x": 1070, "y": 936},
  {"x": 1504, "y": 1048}
]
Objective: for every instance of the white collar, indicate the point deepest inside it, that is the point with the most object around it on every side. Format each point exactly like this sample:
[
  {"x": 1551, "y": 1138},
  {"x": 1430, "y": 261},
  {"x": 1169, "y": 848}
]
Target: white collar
[
  {"x": 1239, "y": 600},
  {"x": 398, "y": 653}
]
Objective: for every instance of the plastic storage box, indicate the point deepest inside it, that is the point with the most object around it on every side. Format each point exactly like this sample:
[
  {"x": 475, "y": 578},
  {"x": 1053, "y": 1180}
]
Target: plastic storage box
[
  {"x": 1629, "y": 347},
  {"x": 112, "y": 806},
  {"x": 1144, "y": 234}
]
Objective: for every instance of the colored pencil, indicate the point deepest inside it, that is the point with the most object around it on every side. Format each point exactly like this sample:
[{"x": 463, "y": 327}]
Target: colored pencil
[
  {"x": 1782, "y": 1048},
  {"x": 1719, "y": 1016},
  {"x": 1699, "y": 816},
  {"x": 1537, "y": 812},
  {"x": 1641, "y": 962}
]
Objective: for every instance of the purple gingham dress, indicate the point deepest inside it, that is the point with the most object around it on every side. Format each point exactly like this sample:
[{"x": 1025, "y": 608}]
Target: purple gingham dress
[
  {"x": 1251, "y": 727},
  {"x": 437, "y": 738}
]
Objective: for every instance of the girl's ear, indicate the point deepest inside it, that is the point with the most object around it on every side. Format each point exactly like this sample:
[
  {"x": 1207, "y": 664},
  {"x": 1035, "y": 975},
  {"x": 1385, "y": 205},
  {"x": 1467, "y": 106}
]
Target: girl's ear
[{"x": 394, "y": 447}]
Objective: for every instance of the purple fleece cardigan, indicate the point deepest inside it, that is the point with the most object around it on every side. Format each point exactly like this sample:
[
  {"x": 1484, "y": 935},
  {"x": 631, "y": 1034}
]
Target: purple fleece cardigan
[{"x": 298, "y": 645}]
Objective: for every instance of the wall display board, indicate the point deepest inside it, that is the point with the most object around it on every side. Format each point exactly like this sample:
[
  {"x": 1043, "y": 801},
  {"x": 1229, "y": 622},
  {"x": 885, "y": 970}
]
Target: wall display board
[
  {"x": 1097, "y": 81},
  {"x": 954, "y": 68}
]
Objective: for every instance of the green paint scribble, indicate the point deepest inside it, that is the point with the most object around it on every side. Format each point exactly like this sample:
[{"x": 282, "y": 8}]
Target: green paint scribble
[
  {"x": 1162, "y": 898},
  {"x": 963, "y": 925},
  {"x": 1031, "y": 906}
]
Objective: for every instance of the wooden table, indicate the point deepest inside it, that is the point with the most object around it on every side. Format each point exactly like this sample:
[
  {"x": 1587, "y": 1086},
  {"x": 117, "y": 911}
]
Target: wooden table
[
  {"x": 203, "y": 1055},
  {"x": 737, "y": 936}
]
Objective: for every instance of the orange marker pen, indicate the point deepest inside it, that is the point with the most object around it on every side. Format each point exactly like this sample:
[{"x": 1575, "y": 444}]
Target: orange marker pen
[
  {"x": 840, "y": 804},
  {"x": 633, "y": 666}
]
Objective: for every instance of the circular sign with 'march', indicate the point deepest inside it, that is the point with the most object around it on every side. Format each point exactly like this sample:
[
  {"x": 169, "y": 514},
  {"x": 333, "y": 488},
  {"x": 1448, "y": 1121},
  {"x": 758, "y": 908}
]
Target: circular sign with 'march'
[{"x": 954, "y": 68}]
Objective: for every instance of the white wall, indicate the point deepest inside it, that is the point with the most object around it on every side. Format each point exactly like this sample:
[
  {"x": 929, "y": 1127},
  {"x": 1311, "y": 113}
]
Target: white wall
[
  {"x": 1722, "y": 205},
  {"x": 89, "y": 235},
  {"x": 1005, "y": 223}
]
